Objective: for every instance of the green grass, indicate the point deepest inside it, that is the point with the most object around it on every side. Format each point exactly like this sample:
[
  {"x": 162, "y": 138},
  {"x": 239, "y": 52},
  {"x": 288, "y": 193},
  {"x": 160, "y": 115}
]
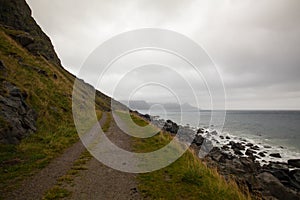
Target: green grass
[
  {"x": 187, "y": 178},
  {"x": 67, "y": 180},
  {"x": 51, "y": 99},
  {"x": 59, "y": 190},
  {"x": 137, "y": 126},
  {"x": 57, "y": 193},
  {"x": 107, "y": 122}
]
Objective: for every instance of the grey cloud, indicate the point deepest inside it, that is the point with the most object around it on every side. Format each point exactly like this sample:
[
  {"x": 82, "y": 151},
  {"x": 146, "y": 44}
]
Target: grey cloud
[{"x": 255, "y": 44}]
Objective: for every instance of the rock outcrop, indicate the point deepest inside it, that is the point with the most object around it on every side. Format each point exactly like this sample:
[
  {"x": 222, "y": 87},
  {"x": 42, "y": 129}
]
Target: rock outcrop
[
  {"x": 16, "y": 15},
  {"x": 294, "y": 162},
  {"x": 272, "y": 181},
  {"x": 17, "y": 119}
]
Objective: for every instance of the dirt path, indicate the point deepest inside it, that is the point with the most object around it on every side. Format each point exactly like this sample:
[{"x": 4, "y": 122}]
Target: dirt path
[
  {"x": 102, "y": 182},
  {"x": 34, "y": 187}
]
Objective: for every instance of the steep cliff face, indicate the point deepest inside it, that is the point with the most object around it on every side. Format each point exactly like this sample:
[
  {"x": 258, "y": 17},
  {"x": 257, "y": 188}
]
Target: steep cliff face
[
  {"x": 35, "y": 90},
  {"x": 16, "y": 14}
]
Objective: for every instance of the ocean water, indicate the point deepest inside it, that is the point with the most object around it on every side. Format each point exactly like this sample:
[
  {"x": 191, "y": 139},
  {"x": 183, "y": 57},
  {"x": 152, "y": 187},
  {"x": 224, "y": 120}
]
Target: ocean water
[{"x": 273, "y": 131}]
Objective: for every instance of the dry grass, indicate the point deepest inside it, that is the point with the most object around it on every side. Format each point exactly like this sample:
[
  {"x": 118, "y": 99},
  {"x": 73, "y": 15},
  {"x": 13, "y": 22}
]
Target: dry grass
[
  {"x": 186, "y": 178},
  {"x": 51, "y": 97}
]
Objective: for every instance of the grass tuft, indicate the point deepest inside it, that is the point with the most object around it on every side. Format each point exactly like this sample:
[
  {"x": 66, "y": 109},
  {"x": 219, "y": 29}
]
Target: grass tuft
[
  {"x": 57, "y": 193},
  {"x": 107, "y": 122}
]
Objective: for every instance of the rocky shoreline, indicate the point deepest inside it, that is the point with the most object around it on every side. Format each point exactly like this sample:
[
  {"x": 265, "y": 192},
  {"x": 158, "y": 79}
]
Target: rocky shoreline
[{"x": 242, "y": 162}]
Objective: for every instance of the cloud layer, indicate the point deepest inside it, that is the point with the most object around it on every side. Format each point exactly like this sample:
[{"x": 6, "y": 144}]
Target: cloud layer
[{"x": 255, "y": 44}]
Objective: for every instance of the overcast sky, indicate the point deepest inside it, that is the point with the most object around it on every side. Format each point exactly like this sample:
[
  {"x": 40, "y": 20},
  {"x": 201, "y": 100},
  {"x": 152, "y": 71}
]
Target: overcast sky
[{"x": 255, "y": 44}]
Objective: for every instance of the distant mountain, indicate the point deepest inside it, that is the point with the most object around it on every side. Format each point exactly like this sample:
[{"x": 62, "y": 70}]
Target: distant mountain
[{"x": 143, "y": 105}]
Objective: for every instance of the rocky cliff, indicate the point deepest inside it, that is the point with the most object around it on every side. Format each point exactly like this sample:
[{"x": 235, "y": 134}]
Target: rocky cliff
[
  {"x": 35, "y": 90},
  {"x": 16, "y": 14}
]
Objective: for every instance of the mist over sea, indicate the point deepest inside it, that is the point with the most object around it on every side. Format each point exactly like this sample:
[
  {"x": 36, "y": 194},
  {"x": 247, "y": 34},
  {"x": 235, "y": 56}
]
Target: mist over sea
[{"x": 279, "y": 129}]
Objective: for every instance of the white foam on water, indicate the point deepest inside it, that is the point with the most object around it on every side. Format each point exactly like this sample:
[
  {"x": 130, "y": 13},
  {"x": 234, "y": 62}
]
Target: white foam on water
[{"x": 264, "y": 146}]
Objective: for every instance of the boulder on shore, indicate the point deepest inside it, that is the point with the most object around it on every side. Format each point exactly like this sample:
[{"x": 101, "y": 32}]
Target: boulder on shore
[
  {"x": 294, "y": 162},
  {"x": 275, "y": 155},
  {"x": 237, "y": 145},
  {"x": 261, "y": 154},
  {"x": 198, "y": 140},
  {"x": 250, "y": 152},
  {"x": 171, "y": 127},
  {"x": 272, "y": 187}
]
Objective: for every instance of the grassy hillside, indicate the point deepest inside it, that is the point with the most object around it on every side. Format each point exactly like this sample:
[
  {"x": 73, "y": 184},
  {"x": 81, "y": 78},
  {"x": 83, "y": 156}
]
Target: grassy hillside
[
  {"x": 187, "y": 178},
  {"x": 48, "y": 88}
]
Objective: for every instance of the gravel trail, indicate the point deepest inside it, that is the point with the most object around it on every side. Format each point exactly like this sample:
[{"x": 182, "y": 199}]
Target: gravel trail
[
  {"x": 102, "y": 182},
  {"x": 35, "y": 186}
]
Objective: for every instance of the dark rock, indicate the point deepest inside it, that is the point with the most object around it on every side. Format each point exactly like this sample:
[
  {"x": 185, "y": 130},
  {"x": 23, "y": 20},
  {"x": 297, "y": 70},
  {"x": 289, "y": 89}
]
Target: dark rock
[
  {"x": 249, "y": 145},
  {"x": 171, "y": 127},
  {"x": 237, "y": 145},
  {"x": 200, "y": 131},
  {"x": 255, "y": 147},
  {"x": 214, "y": 132},
  {"x": 225, "y": 147},
  {"x": 261, "y": 154},
  {"x": 295, "y": 174},
  {"x": 146, "y": 116},
  {"x": 3, "y": 69},
  {"x": 227, "y": 137},
  {"x": 14, "y": 91},
  {"x": 222, "y": 137},
  {"x": 42, "y": 72},
  {"x": 272, "y": 187},
  {"x": 198, "y": 140},
  {"x": 250, "y": 152},
  {"x": 273, "y": 181},
  {"x": 282, "y": 173},
  {"x": 287, "y": 180},
  {"x": 250, "y": 164},
  {"x": 24, "y": 39},
  {"x": 134, "y": 190},
  {"x": 275, "y": 155},
  {"x": 37, "y": 69},
  {"x": 17, "y": 118},
  {"x": 16, "y": 15},
  {"x": 294, "y": 162},
  {"x": 216, "y": 154},
  {"x": 237, "y": 152},
  {"x": 2, "y": 66},
  {"x": 237, "y": 164},
  {"x": 278, "y": 166}
]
